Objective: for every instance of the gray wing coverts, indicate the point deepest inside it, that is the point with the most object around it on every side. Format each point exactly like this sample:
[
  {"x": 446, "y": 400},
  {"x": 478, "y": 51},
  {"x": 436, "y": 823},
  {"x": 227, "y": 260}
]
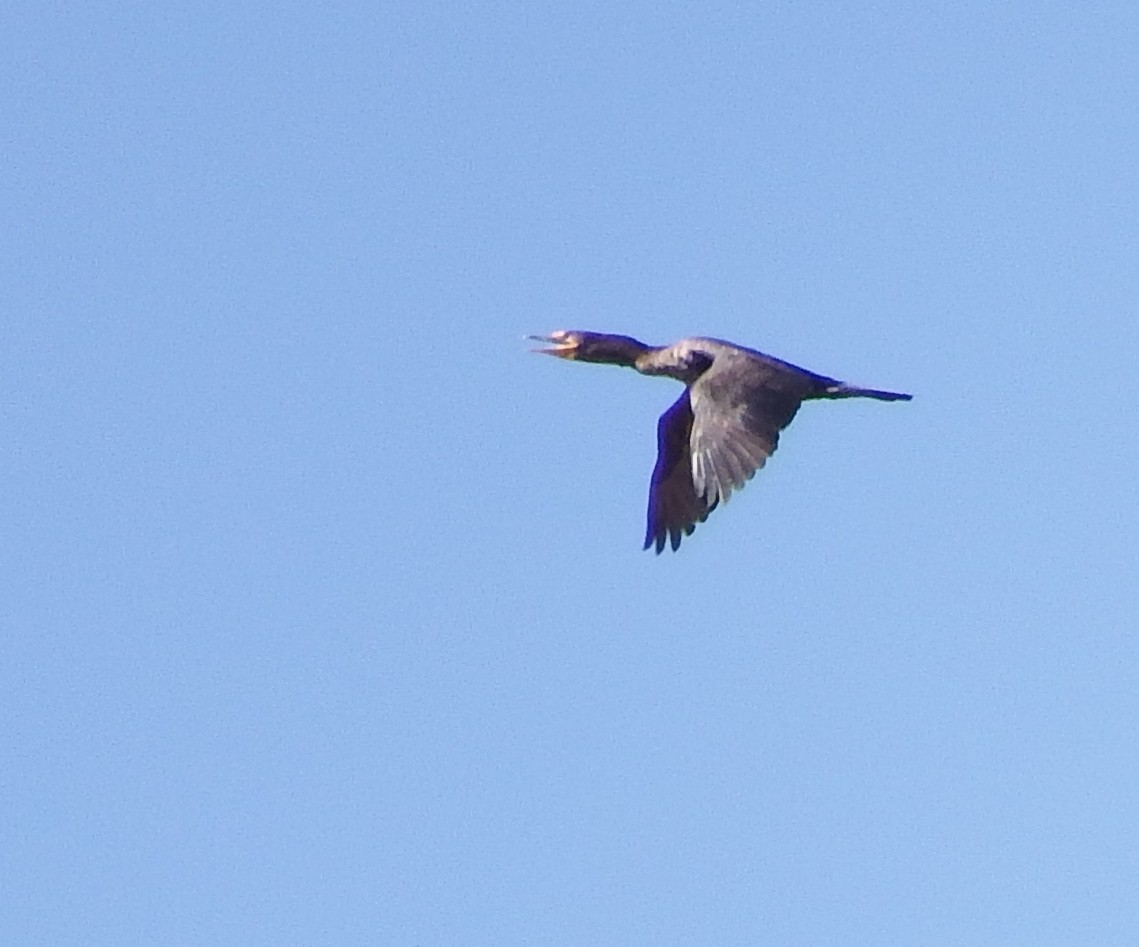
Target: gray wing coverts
[{"x": 714, "y": 439}]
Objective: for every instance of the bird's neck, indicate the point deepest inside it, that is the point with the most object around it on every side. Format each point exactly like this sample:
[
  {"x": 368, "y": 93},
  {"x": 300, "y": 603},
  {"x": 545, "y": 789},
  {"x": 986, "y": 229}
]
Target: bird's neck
[
  {"x": 613, "y": 350},
  {"x": 685, "y": 361}
]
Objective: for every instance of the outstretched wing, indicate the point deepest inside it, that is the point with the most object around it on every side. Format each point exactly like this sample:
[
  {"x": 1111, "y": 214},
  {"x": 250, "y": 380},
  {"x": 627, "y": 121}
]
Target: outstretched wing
[
  {"x": 739, "y": 407},
  {"x": 674, "y": 507},
  {"x": 718, "y": 434}
]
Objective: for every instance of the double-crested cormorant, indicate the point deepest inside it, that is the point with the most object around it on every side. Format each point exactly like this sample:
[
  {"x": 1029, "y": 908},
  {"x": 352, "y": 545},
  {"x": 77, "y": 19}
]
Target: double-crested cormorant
[{"x": 721, "y": 430}]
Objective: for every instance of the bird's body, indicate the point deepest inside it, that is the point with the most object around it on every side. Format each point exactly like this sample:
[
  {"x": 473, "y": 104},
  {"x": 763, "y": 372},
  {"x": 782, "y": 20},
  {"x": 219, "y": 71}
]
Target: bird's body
[{"x": 724, "y": 426}]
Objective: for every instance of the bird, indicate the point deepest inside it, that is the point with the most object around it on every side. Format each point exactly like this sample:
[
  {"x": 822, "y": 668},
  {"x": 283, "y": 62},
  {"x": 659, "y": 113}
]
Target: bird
[{"x": 724, "y": 426}]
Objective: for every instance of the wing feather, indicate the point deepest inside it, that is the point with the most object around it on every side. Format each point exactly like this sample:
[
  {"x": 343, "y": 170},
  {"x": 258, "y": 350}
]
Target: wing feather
[
  {"x": 674, "y": 507},
  {"x": 717, "y": 435},
  {"x": 739, "y": 408}
]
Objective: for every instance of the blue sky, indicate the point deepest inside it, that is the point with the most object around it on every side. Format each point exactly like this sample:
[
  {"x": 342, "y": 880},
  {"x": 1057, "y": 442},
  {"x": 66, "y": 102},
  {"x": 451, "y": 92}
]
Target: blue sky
[{"x": 325, "y": 619}]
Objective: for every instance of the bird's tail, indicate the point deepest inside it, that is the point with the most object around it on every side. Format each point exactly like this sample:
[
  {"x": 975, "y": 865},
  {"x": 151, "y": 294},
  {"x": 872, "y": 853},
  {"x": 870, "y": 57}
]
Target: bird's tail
[{"x": 850, "y": 391}]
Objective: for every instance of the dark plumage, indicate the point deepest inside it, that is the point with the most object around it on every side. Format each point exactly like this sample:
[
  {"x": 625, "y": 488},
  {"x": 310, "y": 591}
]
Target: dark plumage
[{"x": 724, "y": 426}]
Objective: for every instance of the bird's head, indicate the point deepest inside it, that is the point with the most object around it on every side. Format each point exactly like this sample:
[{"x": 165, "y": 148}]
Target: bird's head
[
  {"x": 565, "y": 344},
  {"x": 592, "y": 347}
]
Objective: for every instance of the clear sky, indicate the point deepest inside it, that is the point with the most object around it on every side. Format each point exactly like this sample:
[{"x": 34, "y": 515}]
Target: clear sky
[{"x": 324, "y": 614}]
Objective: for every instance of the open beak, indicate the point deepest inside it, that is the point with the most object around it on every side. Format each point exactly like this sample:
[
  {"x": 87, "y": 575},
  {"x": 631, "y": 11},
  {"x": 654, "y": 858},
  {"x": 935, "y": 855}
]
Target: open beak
[{"x": 564, "y": 345}]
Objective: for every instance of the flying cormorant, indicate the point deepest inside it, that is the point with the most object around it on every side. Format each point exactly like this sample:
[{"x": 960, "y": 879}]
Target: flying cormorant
[{"x": 721, "y": 430}]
